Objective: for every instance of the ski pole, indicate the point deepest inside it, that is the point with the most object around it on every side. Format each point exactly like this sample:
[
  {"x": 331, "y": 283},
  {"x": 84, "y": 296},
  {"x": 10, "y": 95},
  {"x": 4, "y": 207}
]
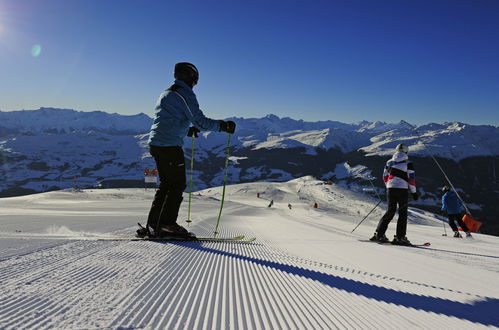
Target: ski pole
[
  {"x": 445, "y": 174},
  {"x": 367, "y": 215},
  {"x": 374, "y": 188},
  {"x": 224, "y": 184},
  {"x": 190, "y": 183},
  {"x": 445, "y": 231}
]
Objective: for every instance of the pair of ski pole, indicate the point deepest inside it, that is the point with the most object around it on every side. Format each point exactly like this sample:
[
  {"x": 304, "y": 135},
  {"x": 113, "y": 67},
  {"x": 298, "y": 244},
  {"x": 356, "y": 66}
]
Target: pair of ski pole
[
  {"x": 224, "y": 183},
  {"x": 372, "y": 210}
]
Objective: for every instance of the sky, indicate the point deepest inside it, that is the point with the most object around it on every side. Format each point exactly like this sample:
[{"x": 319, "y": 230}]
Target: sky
[{"x": 387, "y": 60}]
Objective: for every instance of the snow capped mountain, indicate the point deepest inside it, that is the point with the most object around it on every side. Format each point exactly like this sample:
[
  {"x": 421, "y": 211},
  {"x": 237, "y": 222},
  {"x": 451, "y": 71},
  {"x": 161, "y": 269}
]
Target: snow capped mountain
[
  {"x": 450, "y": 140},
  {"x": 50, "y": 149},
  {"x": 66, "y": 121}
]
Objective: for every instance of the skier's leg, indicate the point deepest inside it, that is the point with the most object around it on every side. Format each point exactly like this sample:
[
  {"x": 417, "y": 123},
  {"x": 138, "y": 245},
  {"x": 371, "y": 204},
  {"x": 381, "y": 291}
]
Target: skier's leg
[
  {"x": 403, "y": 199},
  {"x": 175, "y": 183},
  {"x": 160, "y": 196},
  {"x": 388, "y": 216},
  {"x": 157, "y": 205},
  {"x": 452, "y": 222}
]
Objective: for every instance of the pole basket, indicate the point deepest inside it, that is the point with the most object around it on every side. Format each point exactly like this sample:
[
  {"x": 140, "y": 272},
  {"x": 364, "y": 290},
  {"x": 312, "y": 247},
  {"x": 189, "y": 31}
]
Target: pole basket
[{"x": 472, "y": 224}]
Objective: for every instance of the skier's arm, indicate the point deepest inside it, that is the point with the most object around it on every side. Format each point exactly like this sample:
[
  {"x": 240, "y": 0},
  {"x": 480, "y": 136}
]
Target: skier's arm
[
  {"x": 444, "y": 202},
  {"x": 196, "y": 116},
  {"x": 411, "y": 175},
  {"x": 386, "y": 175}
]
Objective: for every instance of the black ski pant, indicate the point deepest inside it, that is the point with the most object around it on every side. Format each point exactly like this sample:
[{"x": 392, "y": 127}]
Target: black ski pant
[
  {"x": 400, "y": 197},
  {"x": 459, "y": 218},
  {"x": 170, "y": 163}
]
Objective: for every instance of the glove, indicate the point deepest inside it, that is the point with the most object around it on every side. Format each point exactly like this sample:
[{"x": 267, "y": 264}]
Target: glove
[
  {"x": 415, "y": 196},
  {"x": 227, "y": 126},
  {"x": 193, "y": 131}
]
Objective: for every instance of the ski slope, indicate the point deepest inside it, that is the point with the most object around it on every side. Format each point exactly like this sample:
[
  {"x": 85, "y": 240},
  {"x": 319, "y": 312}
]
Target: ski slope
[{"x": 306, "y": 270}]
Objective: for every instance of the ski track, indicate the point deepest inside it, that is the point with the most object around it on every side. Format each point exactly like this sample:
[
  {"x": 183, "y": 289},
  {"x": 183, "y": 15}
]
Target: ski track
[
  {"x": 82, "y": 284},
  {"x": 96, "y": 284}
]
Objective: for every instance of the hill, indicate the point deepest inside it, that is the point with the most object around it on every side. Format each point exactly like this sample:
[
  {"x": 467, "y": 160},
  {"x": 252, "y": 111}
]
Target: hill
[{"x": 305, "y": 270}]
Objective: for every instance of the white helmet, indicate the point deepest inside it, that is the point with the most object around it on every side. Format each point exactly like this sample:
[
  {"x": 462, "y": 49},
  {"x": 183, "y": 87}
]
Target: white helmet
[{"x": 402, "y": 148}]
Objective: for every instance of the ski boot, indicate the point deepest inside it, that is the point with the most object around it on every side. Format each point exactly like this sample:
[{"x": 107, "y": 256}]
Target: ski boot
[
  {"x": 457, "y": 235},
  {"x": 401, "y": 241},
  {"x": 142, "y": 231},
  {"x": 176, "y": 230},
  {"x": 379, "y": 238},
  {"x": 468, "y": 234}
]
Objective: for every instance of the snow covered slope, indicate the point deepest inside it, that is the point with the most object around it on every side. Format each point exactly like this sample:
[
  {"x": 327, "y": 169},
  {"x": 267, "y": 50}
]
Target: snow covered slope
[{"x": 306, "y": 269}]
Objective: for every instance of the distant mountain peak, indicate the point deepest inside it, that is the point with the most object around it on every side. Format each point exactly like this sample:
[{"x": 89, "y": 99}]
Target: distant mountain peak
[
  {"x": 404, "y": 123},
  {"x": 272, "y": 117}
]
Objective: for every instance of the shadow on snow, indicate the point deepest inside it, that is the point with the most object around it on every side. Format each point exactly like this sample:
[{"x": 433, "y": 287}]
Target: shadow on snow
[{"x": 483, "y": 312}]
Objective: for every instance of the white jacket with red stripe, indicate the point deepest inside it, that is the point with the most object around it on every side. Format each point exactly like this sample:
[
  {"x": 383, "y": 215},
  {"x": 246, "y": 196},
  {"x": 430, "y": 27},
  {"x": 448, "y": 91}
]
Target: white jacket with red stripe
[{"x": 399, "y": 172}]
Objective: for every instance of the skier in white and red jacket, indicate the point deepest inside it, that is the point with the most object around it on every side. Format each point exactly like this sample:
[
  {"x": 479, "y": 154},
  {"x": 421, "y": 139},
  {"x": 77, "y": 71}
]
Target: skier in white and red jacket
[{"x": 399, "y": 178}]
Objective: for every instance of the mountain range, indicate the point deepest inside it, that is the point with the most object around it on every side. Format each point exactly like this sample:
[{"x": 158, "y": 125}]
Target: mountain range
[{"x": 51, "y": 149}]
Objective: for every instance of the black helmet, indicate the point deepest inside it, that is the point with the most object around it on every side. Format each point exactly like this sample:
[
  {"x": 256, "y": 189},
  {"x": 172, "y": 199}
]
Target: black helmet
[
  {"x": 445, "y": 189},
  {"x": 187, "y": 72}
]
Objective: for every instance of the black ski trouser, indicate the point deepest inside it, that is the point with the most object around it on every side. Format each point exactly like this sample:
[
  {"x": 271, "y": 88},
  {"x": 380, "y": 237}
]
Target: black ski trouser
[
  {"x": 170, "y": 163},
  {"x": 400, "y": 197},
  {"x": 459, "y": 218}
]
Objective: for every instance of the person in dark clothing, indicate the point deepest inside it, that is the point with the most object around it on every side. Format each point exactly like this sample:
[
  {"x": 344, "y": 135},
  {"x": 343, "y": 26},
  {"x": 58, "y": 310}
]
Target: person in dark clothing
[
  {"x": 453, "y": 208},
  {"x": 176, "y": 109},
  {"x": 399, "y": 178}
]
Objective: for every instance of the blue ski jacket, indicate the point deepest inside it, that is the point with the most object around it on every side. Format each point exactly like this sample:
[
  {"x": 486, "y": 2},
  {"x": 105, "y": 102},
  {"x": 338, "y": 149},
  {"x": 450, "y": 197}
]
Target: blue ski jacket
[
  {"x": 175, "y": 110},
  {"x": 451, "y": 203}
]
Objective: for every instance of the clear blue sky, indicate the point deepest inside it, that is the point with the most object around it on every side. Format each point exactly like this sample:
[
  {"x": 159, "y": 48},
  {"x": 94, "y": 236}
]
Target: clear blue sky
[{"x": 421, "y": 61}]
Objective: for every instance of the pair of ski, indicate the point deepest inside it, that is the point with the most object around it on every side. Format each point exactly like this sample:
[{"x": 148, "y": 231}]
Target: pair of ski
[
  {"x": 178, "y": 238},
  {"x": 390, "y": 243},
  {"x": 194, "y": 239}
]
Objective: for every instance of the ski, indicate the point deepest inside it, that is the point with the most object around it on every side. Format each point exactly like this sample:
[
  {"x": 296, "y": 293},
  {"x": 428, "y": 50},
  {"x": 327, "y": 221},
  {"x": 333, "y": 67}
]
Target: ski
[
  {"x": 180, "y": 239},
  {"x": 143, "y": 232},
  {"x": 241, "y": 239},
  {"x": 390, "y": 243}
]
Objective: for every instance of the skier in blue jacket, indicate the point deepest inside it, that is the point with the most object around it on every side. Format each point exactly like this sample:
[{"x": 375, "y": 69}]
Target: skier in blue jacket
[
  {"x": 453, "y": 207},
  {"x": 176, "y": 109}
]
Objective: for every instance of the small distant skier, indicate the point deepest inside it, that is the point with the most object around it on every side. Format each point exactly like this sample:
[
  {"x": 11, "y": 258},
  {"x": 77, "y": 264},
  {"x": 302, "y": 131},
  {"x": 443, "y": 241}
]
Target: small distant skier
[
  {"x": 176, "y": 108},
  {"x": 453, "y": 208},
  {"x": 289, "y": 206},
  {"x": 399, "y": 178},
  {"x": 271, "y": 203}
]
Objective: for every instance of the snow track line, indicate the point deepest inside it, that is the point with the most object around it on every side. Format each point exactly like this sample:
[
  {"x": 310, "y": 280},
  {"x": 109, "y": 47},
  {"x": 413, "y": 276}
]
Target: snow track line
[
  {"x": 277, "y": 256},
  {"x": 197, "y": 294},
  {"x": 152, "y": 300},
  {"x": 200, "y": 286},
  {"x": 39, "y": 267},
  {"x": 83, "y": 277},
  {"x": 184, "y": 286}
]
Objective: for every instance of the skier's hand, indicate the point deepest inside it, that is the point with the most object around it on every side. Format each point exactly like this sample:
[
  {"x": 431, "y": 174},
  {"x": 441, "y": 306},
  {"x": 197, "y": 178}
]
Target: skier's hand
[
  {"x": 415, "y": 196},
  {"x": 193, "y": 131},
  {"x": 227, "y": 126}
]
